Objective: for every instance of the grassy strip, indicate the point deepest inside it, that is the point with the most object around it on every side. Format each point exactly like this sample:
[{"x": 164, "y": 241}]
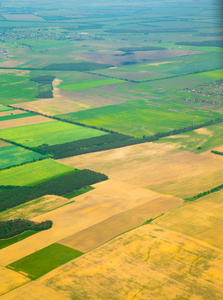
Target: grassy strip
[
  {"x": 217, "y": 188},
  {"x": 91, "y": 84},
  {"x": 18, "y": 116},
  {"x": 45, "y": 260},
  {"x": 7, "y": 242},
  {"x": 78, "y": 192}
]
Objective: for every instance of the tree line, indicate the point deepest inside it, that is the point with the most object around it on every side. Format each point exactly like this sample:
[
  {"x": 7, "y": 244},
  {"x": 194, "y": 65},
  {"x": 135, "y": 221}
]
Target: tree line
[
  {"x": 14, "y": 227},
  {"x": 11, "y": 196},
  {"x": 217, "y": 188},
  {"x": 116, "y": 140},
  {"x": 216, "y": 152}
]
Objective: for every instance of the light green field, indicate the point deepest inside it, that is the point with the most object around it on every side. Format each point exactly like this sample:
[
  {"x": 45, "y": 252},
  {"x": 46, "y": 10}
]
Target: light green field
[
  {"x": 33, "y": 173},
  {"x": 203, "y": 138},
  {"x": 139, "y": 118},
  {"x": 45, "y": 260},
  {"x": 15, "y": 89},
  {"x": 14, "y": 155},
  {"x": 5, "y": 108},
  {"x": 91, "y": 84},
  {"x": 50, "y": 133},
  {"x": 216, "y": 74}
]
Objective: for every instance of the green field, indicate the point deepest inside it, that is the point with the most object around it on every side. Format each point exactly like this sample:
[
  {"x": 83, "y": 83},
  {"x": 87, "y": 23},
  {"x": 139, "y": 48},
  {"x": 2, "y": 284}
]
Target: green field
[
  {"x": 90, "y": 84},
  {"x": 5, "y": 108},
  {"x": 15, "y": 89},
  {"x": 50, "y": 133},
  {"x": 17, "y": 116},
  {"x": 199, "y": 140},
  {"x": 14, "y": 155},
  {"x": 139, "y": 118},
  {"x": 33, "y": 173},
  {"x": 7, "y": 242},
  {"x": 45, "y": 260}
]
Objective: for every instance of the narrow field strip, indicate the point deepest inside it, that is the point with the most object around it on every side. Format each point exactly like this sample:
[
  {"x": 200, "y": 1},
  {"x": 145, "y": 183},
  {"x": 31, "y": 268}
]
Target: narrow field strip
[{"x": 90, "y": 84}]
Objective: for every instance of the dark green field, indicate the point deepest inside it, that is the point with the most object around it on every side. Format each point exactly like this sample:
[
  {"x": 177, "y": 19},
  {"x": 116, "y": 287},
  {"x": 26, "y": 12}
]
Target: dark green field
[{"x": 45, "y": 260}]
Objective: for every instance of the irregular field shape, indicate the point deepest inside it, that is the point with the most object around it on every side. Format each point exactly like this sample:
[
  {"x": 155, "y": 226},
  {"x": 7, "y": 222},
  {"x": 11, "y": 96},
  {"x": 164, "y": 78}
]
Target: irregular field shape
[
  {"x": 149, "y": 262},
  {"x": 107, "y": 199},
  {"x": 207, "y": 138},
  {"x": 90, "y": 84},
  {"x": 44, "y": 260},
  {"x": 48, "y": 133},
  {"x": 24, "y": 122},
  {"x": 33, "y": 172},
  {"x": 159, "y": 167},
  {"x": 5, "y": 108},
  {"x": 14, "y": 155},
  {"x": 11, "y": 280}
]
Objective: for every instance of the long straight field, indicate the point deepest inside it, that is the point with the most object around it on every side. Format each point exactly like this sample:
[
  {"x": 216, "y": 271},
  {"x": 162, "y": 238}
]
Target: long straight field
[
  {"x": 90, "y": 84},
  {"x": 139, "y": 117},
  {"x": 13, "y": 155},
  {"x": 48, "y": 133},
  {"x": 33, "y": 173}
]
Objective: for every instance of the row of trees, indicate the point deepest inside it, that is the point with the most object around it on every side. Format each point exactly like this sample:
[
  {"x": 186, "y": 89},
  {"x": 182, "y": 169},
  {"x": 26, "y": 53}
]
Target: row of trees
[
  {"x": 104, "y": 142},
  {"x": 14, "y": 227},
  {"x": 94, "y": 144},
  {"x": 202, "y": 43},
  {"x": 216, "y": 152},
  {"x": 217, "y": 188},
  {"x": 11, "y": 196}
]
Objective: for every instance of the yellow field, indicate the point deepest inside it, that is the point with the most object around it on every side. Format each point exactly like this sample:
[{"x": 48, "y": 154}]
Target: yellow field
[
  {"x": 159, "y": 167},
  {"x": 10, "y": 280},
  {"x": 104, "y": 231},
  {"x": 24, "y": 121},
  {"x": 147, "y": 263},
  {"x": 3, "y": 144},
  {"x": 11, "y": 63},
  {"x": 220, "y": 148},
  {"x": 108, "y": 199},
  {"x": 201, "y": 219},
  {"x": 34, "y": 208}
]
